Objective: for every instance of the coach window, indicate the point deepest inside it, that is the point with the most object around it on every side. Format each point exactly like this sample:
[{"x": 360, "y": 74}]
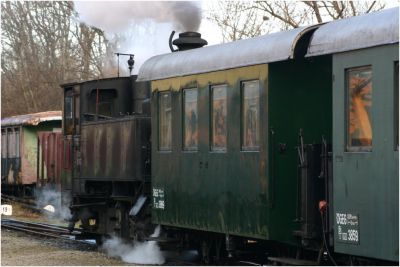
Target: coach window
[
  {"x": 16, "y": 136},
  {"x": 396, "y": 105},
  {"x": 250, "y": 115},
  {"x": 3, "y": 143},
  {"x": 11, "y": 143},
  {"x": 165, "y": 121},
  {"x": 218, "y": 119},
  {"x": 190, "y": 120},
  {"x": 359, "y": 104}
]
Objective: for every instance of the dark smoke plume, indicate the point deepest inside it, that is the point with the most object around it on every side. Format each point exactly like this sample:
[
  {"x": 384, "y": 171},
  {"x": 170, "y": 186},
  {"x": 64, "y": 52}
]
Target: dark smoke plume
[{"x": 141, "y": 28}]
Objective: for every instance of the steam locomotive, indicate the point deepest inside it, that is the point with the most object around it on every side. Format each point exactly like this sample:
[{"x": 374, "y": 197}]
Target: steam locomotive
[{"x": 282, "y": 147}]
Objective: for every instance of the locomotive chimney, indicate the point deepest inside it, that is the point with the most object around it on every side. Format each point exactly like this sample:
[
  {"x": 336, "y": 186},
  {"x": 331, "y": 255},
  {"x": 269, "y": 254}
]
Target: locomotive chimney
[{"x": 187, "y": 40}]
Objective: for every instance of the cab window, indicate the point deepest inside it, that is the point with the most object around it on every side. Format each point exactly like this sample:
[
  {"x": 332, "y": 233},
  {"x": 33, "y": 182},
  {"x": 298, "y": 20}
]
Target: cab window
[
  {"x": 359, "y": 104},
  {"x": 102, "y": 102}
]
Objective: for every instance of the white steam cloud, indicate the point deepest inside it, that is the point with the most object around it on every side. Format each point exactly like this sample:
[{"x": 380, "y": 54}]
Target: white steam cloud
[
  {"x": 139, "y": 252},
  {"x": 140, "y": 27},
  {"x": 46, "y": 196},
  {"x": 117, "y": 16}
]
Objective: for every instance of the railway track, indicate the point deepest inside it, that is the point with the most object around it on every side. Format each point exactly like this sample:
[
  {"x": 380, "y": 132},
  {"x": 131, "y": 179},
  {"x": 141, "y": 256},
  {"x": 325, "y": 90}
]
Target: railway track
[
  {"x": 25, "y": 203},
  {"x": 44, "y": 230},
  {"x": 61, "y": 232},
  {"x": 29, "y": 204}
]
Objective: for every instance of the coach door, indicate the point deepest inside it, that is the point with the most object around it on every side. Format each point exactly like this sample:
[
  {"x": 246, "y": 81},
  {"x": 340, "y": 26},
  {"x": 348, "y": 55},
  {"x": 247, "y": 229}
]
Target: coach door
[{"x": 365, "y": 151}]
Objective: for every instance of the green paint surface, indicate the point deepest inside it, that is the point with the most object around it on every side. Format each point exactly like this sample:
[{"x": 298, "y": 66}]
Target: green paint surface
[
  {"x": 299, "y": 98},
  {"x": 215, "y": 191},
  {"x": 366, "y": 184},
  {"x": 240, "y": 192},
  {"x": 29, "y": 143}
]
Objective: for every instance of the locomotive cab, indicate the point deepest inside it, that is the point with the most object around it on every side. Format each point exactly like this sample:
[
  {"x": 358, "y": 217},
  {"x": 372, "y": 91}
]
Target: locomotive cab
[{"x": 107, "y": 123}]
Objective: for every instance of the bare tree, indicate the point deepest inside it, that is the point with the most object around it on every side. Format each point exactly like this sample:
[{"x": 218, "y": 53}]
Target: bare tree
[
  {"x": 44, "y": 45},
  {"x": 295, "y": 14},
  {"x": 238, "y": 20}
]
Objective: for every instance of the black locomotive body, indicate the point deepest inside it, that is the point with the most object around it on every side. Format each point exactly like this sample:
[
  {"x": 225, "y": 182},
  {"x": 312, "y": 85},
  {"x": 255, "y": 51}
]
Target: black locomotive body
[{"x": 109, "y": 123}]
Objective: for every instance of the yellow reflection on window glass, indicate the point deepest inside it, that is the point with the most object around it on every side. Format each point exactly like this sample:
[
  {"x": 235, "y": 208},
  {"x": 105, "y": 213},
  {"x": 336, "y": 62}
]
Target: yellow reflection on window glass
[{"x": 359, "y": 89}]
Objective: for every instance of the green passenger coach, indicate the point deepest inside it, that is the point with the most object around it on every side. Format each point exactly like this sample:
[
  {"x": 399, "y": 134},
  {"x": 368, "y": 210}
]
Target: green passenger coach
[
  {"x": 20, "y": 151},
  {"x": 225, "y": 128}
]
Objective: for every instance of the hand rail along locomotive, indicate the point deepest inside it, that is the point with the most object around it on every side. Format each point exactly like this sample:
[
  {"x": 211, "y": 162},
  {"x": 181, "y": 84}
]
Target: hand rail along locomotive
[{"x": 283, "y": 145}]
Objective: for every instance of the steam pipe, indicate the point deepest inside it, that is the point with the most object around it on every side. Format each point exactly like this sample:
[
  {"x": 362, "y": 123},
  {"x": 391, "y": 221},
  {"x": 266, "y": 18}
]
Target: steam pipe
[{"x": 170, "y": 42}]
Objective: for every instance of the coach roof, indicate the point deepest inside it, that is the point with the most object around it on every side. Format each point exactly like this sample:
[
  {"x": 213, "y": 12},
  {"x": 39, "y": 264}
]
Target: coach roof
[
  {"x": 259, "y": 50},
  {"x": 31, "y": 119},
  {"x": 374, "y": 29}
]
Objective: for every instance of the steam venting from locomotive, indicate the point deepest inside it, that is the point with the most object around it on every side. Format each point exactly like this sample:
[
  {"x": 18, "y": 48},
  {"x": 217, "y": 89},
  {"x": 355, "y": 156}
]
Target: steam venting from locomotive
[
  {"x": 140, "y": 28},
  {"x": 52, "y": 200},
  {"x": 139, "y": 252}
]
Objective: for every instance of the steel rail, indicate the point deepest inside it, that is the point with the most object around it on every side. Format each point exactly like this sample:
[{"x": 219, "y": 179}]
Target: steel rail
[
  {"x": 18, "y": 199},
  {"x": 26, "y": 204},
  {"x": 40, "y": 224},
  {"x": 41, "y": 231}
]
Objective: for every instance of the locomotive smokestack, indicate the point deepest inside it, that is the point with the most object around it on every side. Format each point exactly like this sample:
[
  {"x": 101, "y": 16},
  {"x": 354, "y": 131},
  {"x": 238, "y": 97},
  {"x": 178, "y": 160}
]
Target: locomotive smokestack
[{"x": 188, "y": 40}]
